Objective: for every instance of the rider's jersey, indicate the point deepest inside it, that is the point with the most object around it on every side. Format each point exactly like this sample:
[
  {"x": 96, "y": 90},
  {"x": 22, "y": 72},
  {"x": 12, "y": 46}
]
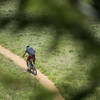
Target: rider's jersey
[{"x": 30, "y": 51}]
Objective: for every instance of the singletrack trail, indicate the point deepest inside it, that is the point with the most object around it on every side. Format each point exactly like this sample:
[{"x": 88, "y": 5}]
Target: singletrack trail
[{"x": 41, "y": 77}]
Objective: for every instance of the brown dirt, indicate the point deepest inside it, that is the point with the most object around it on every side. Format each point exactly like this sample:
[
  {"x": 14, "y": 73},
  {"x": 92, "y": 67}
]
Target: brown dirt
[{"x": 41, "y": 77}]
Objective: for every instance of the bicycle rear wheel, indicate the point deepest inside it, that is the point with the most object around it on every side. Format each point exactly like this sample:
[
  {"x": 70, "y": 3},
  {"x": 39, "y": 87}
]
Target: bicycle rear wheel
[{"x": 34, "y": 70}]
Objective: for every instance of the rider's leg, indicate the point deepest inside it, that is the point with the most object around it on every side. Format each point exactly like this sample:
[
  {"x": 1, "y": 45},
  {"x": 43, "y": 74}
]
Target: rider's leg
[
  {"x": 27, "y": 61},
  {"x": 33, "y": 61},
  {"x": 33, "y": 57}
]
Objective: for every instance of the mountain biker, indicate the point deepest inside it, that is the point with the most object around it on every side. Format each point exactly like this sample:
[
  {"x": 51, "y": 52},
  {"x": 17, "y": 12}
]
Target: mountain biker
[{"x": 31, "y": 55}]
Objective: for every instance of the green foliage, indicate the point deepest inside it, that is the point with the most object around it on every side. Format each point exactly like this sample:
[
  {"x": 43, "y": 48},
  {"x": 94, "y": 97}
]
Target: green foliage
[
  {"x": 61, "y": 26},
  {"x": 67, "y": 65}
]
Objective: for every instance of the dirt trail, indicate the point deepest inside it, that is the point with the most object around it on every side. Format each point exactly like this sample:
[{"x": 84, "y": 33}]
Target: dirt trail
[{"x": 41, "y": 77}]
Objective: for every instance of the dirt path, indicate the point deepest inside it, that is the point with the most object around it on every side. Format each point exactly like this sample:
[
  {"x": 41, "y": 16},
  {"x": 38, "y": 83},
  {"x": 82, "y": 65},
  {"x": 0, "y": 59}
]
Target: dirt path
[{"x": 42, "y": 78}]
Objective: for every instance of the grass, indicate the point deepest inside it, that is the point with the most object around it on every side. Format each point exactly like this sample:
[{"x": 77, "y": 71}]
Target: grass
[
  {"x": 67, "y": 66},
  {"x": 17, "y": 84}
]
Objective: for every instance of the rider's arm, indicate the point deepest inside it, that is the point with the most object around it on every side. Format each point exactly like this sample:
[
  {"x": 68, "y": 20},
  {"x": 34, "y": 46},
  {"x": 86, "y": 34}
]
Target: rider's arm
[{"x": 24, "y": 54}]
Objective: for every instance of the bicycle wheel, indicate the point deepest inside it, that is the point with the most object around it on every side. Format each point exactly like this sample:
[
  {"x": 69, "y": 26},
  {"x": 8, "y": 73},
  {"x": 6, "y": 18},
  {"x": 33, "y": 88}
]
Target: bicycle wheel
[{"x": 34, "y": 70}]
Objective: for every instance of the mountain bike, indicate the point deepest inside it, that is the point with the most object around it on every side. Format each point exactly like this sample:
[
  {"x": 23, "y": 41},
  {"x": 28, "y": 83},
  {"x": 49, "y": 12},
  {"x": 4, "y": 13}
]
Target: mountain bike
[{"x": 32, "y": 68}]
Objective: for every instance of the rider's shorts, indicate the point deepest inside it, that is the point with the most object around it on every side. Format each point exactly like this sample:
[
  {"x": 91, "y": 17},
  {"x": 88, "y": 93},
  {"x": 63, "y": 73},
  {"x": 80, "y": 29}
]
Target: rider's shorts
[{"x": 31, "y": 57}]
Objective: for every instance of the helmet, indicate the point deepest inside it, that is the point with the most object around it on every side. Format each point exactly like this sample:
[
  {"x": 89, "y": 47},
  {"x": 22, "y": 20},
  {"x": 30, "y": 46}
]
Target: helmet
[{"x": 27, "y": 46}]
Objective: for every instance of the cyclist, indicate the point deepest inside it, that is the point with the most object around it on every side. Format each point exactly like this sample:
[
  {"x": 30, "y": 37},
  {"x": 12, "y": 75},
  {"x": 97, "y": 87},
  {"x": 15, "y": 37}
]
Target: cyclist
[{"x": 31, "y": 55}]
